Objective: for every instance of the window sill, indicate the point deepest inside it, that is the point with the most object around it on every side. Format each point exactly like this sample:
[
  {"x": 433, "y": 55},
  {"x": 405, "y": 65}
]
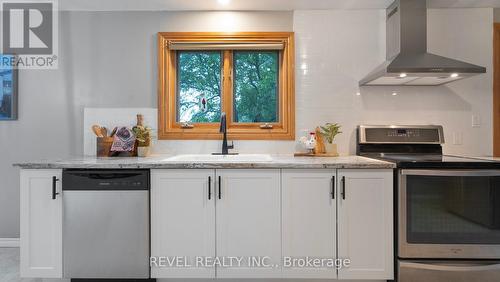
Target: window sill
[{"x": 215, "y": 135}]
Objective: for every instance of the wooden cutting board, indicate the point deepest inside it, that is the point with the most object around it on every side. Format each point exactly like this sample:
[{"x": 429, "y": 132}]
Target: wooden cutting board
[{"x": 315, "y": 155}]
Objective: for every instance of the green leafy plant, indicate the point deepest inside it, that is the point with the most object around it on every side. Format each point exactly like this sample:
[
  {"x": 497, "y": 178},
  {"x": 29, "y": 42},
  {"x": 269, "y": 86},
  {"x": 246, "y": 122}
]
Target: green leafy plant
[
  {"x": 329, "y": 131},
  {"x": 143, "y": 135}
]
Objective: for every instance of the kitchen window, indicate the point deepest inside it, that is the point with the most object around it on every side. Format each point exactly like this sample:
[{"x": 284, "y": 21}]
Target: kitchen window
[
  {"x": 248, "y": 76},
  {"x": 255, "y": 86},
  {"x": 198, "y": 86}
]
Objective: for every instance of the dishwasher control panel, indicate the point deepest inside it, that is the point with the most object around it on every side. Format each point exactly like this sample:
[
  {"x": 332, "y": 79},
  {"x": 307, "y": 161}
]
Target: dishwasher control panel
[
  {"x": 107, "y": 183},
  {"x": 105, "y": 179}
]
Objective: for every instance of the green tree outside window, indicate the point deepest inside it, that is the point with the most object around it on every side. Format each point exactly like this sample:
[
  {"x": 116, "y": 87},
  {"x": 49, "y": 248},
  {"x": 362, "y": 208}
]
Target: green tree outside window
[{"x": 255, "y": 86}]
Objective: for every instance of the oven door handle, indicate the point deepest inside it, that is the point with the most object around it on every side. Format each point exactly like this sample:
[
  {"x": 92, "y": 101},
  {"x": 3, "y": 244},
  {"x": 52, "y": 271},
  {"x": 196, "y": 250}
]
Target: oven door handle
[
  {"x": 451, "y": 267},
  {"x": 451, "y": 172}
]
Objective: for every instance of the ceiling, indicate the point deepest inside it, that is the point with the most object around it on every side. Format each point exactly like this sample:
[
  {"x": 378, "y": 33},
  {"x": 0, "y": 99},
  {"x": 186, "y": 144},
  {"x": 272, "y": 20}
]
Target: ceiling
[{"x": 282, "y": 5}]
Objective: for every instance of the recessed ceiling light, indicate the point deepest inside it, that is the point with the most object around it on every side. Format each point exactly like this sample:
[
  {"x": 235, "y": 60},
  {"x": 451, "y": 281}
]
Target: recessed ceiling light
[
  {"x": 358, "y": 94},
  {"x": 394, "y": 93},
  {"x": 223, "y": 2},
  {"x": 454, "y": 75},
  {"x": 402, "y": 75}
]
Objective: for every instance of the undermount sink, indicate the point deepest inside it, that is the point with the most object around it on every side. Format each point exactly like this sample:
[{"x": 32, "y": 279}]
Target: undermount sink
[{"x": 222, "y": 158}]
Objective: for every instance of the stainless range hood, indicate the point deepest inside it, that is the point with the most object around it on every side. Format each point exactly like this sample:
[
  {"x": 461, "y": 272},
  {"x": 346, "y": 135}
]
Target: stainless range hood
[{"x": 408, "y": 62}]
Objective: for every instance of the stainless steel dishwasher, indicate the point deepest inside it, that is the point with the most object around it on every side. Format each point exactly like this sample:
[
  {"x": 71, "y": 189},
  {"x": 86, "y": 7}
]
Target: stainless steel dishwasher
[{"x": 106, "y": 224}]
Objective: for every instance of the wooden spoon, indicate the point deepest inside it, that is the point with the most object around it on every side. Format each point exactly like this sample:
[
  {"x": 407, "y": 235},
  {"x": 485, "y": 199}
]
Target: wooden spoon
[
  {"x": 104, "y": 131},
  {"x": 97, "y": 130}
]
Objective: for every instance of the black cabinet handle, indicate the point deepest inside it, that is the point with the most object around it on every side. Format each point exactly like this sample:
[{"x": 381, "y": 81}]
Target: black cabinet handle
[
  {"x": 54, "y": 184},
  {"x": 209, "y": 187},
  {"x": 343, "y": 187},
  {"x": 333, "y": 187},
  {"x": 220, "y": 190}
]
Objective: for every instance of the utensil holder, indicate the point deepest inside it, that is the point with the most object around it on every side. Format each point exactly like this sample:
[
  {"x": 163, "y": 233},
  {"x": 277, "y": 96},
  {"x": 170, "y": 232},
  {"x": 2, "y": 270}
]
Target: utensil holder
[{"x": 103, "y": 148}]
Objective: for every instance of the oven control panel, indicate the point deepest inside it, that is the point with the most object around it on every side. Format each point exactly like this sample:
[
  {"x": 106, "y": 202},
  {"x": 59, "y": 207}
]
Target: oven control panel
[
  {"x": 405, "y": 133},
  {"x": 401, "y": 134}
]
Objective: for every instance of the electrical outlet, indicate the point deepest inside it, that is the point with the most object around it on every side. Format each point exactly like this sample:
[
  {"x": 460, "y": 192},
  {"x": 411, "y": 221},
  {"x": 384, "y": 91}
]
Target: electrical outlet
[
  {"x": 476, "y": 120},
  {"x": 457, "y": 138}
]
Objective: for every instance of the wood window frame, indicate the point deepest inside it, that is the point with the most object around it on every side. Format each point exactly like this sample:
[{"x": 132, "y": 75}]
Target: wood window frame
[
  {"x": 496, "y": 90},
  {"x": 170, "y": 129}
]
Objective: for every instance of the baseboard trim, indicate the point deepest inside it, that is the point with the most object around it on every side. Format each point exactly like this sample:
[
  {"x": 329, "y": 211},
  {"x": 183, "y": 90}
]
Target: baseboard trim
[{"x": 9, "y": 242}]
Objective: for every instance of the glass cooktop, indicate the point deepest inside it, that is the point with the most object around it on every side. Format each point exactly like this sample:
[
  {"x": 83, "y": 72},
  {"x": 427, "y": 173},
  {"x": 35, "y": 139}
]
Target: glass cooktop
[{"x": 435, "y": 161}]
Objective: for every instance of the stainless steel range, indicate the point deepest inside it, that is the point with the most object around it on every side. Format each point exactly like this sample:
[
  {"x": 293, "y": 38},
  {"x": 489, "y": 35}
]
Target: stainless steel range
[{"x": 448, "y": 220}]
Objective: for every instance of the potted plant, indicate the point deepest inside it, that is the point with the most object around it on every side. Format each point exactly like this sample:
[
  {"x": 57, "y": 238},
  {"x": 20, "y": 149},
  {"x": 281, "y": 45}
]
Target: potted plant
[
  {"x": 143, "y": 136},
  {"x": 329, "y": 131}
]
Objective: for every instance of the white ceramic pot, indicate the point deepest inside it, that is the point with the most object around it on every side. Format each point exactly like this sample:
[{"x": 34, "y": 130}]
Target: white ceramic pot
[
  {"x": 143, "y": 151},
  {"x": 331, "y": 149}
]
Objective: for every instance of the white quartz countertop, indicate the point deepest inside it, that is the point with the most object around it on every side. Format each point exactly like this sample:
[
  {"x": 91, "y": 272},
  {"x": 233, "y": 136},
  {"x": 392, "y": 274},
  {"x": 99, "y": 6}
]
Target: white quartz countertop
[
  {"x": 169, "y": 161},
  {"x": 496, "y": 159}
]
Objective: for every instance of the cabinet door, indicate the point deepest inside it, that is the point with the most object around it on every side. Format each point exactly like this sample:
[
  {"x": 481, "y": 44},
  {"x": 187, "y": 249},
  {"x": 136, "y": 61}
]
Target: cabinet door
[
  {"x": 365, "y": 223},
  {"x": 41, "y": 224},
  {"x": 182, "y": 221},
  {"x": 249, "y": 222},
  {"x": 309, "y": 221}
]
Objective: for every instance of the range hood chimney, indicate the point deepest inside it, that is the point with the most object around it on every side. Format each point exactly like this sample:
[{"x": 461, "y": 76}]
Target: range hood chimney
[{"x": 408, "y": 62}]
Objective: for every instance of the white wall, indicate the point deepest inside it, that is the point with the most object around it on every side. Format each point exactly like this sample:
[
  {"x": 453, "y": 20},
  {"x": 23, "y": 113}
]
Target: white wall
[
  {"x": 465, "y": 34},
  {"x": 337, "y": 48},
  {"x": 108, "y": 59}
]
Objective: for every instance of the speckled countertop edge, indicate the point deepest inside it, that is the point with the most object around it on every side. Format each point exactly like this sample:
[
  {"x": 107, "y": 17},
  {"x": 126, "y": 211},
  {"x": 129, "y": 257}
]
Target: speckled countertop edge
[{"x": 158, "y": 162}]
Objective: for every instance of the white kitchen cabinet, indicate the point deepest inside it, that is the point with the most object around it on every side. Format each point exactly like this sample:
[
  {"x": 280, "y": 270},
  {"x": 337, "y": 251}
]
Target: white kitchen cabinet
[
  {"x": 41, "y": 223},
  {"x": 365, "y": 223},
  {"x": 309, "y": 220},
  {"x": 270, "y": 215},
  {"x": 182, "y": 220},
  {"x": 249, "y": 221}
]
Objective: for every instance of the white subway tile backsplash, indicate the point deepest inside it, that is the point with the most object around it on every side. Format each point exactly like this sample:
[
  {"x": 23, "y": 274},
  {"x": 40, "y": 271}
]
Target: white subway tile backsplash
[
  {"x": 340, "y": 47},
  {"x": 336, "y": 48}
]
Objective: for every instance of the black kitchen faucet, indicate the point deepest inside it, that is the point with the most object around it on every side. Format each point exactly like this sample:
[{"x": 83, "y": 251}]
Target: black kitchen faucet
[{"x": 223, "y": 130}]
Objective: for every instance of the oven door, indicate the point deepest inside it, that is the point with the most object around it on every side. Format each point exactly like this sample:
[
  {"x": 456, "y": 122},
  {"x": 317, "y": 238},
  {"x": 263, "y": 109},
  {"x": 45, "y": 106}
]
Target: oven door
[{"x": 449, "y": 214}]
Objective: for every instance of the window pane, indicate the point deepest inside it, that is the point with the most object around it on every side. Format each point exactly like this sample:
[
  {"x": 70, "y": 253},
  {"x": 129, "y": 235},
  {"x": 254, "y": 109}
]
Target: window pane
[
  {"x": 198, "y": 86},
  {"x": 256, "y": 86}
]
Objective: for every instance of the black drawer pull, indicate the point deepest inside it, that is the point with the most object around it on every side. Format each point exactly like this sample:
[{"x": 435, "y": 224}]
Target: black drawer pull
[
  {"x": 54, "y": 186},
  {"x": 220, "y": 190},
  {"x": 333, "y": 187},
  {"x": 343, "y": 187},
  {"x": 209, "y": 188}
]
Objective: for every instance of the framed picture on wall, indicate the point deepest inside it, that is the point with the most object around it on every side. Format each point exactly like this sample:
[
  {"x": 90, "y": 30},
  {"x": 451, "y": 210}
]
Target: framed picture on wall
[{"x": 8, "y": 89}]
